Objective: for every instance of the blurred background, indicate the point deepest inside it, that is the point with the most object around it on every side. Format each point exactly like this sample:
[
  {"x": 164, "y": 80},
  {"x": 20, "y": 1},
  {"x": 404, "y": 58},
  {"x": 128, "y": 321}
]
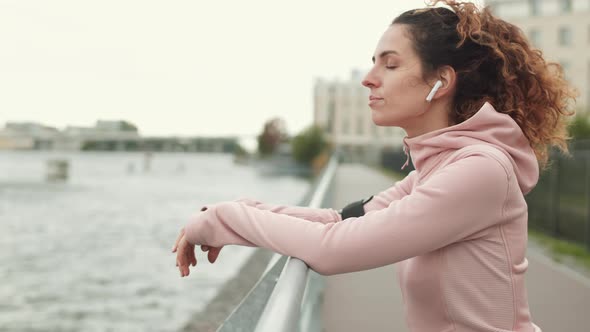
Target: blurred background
[{"x": 118, "y": 119}]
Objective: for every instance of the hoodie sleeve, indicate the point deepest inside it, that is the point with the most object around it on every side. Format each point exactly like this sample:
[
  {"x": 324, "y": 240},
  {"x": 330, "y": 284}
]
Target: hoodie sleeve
[
  {"x": 326, "y": 215},
  {"x": 397, "y": 191},
  {"x": 311, "y": 214},
  {"x": 455, "y": 202}
]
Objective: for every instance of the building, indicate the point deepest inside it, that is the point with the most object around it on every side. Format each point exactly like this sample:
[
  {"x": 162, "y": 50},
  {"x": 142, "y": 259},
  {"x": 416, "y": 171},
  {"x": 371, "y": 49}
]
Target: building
[
  {"x": 341, "y": 109},
  {"x": 35, "y": 136},
  {"x": 561, "y": 30},
  {"x": 104, "y": 136},
  {"x": 27, "y": 136},
  {"x": 115, "y": 126},
  {"x": 119, "y": 132}
]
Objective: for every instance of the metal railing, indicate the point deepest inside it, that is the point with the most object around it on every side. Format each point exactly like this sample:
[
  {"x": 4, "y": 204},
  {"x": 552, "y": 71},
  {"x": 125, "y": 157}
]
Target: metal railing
[{"x": 294, "y": 289}]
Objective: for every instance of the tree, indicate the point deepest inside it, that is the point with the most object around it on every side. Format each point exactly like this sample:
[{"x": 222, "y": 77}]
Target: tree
[
  {"x": 239, "y": 150},
  {"x": 273, "y": 133},
  {"x": 308, "y": 144},
  {"x": 128, "y": 126},
  {"x": 579, "y": 128}
]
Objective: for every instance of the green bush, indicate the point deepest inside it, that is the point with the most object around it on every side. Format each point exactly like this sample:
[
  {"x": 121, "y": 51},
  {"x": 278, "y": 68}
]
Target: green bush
[
  {"x": 239, "y": 150},
  {"x": 579, "y": 128},
  {"x": 308, "y": 144}
]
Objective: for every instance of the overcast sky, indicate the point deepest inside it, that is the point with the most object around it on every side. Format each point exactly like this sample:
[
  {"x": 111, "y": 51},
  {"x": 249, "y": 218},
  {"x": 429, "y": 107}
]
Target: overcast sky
[{"x": 184, "y": 68}]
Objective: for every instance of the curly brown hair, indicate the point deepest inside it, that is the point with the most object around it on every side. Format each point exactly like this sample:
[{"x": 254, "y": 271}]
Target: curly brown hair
[{"x": 495, "y": 63}]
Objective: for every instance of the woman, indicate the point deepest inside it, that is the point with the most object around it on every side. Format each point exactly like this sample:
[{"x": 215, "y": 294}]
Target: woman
[{"x": 480, "y": 108}]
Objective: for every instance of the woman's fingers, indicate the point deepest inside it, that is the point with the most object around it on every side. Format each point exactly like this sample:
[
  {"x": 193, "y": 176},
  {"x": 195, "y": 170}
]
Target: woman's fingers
[
  {"x": 180, "y": 263},
  {"x": 184, "y": 256},
  {"x": 175, "y": 246},
  {"x": 192, "y": 260},
  {"x": 213, "y": 254}
]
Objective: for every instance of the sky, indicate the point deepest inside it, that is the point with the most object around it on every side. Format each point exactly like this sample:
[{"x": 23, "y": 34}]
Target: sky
[{"x": 181, "y": 68}]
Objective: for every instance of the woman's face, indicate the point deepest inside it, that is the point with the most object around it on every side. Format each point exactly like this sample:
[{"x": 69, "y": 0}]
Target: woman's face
[{"x": 398, "y": 91}]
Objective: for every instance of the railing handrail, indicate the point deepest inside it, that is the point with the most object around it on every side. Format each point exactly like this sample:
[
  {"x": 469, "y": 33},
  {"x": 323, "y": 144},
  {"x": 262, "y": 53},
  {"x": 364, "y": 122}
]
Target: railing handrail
[{"x": 282, "y": 311}]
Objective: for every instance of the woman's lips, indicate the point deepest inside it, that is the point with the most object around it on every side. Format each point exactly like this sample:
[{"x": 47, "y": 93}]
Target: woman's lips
[{"x": 374, "y": 100}]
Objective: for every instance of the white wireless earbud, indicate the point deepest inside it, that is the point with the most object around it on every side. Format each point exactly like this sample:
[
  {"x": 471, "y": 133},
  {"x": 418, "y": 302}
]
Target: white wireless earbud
[{"x": 435, "y": 88}]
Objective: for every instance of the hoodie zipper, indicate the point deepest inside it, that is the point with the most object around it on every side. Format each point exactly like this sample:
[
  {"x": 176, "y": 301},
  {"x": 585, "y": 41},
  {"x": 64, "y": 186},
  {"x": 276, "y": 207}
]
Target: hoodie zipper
[{"x": 407, "y": 152}]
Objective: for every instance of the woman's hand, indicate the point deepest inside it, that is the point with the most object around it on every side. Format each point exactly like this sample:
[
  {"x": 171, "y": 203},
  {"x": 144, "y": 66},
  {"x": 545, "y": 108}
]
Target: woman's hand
[
  {"x": 212, "y": 254},
  {"x": 185, "y": 254}
]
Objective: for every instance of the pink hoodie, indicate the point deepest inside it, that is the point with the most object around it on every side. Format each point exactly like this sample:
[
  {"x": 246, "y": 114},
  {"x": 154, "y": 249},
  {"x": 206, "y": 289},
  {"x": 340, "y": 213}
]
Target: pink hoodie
[{"x": 456, "y": 226}]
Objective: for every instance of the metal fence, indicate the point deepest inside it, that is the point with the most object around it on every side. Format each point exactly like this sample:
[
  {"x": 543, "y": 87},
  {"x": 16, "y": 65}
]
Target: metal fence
[
  {"x": 287, "y": 296},
  {"x": 559, "y": 205}
]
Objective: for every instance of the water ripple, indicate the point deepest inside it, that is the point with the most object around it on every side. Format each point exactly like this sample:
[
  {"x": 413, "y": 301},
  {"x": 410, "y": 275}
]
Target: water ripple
[{"x": 93, "y": 254}]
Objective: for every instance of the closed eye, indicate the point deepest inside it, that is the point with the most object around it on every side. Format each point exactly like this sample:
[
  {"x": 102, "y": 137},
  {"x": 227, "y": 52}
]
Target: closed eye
[{"x": 390, "y": 67}]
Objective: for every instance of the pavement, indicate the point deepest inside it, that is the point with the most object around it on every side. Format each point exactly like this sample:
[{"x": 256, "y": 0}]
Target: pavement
[{"x": 559, "y": 297}]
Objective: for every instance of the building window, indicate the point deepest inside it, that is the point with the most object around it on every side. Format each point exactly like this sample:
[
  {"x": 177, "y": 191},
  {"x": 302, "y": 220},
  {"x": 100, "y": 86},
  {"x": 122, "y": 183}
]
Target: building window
[
  {"x": 535, "y": 7},
  {"x": 535, "y": 37},
  {"x": 565, "y": 36},
  {"x": 331, "y": 114},
  {"x": 566, "y": 6},
  {"x": 345, "y": 127}
]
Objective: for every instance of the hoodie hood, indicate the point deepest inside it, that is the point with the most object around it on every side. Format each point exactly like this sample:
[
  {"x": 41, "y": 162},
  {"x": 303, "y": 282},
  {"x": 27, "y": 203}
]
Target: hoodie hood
[{"x": 487, "y": 126}]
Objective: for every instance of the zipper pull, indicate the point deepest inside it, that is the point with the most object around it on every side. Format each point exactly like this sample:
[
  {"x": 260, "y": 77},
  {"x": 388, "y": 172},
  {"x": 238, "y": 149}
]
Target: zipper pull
[{"x": 406, "y": 149}]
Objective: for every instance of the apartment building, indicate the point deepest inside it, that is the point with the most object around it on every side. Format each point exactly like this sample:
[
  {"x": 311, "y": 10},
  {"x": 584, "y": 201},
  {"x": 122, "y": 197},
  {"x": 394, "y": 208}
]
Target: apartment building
[
  {"x": 340, "y": 108},
  {"x": 561, "y": 30}
]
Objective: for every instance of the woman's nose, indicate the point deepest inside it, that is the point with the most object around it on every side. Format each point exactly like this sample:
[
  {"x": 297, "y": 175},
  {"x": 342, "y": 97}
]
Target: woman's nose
[{"x": 369, "y": 81}]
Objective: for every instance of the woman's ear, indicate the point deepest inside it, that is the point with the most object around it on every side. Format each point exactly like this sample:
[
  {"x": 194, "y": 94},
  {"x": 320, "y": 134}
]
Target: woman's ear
[{"x": 448, "y": 77}]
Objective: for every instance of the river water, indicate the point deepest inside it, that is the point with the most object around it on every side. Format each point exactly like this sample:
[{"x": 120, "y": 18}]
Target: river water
[{"x": 93, "y": 253}]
